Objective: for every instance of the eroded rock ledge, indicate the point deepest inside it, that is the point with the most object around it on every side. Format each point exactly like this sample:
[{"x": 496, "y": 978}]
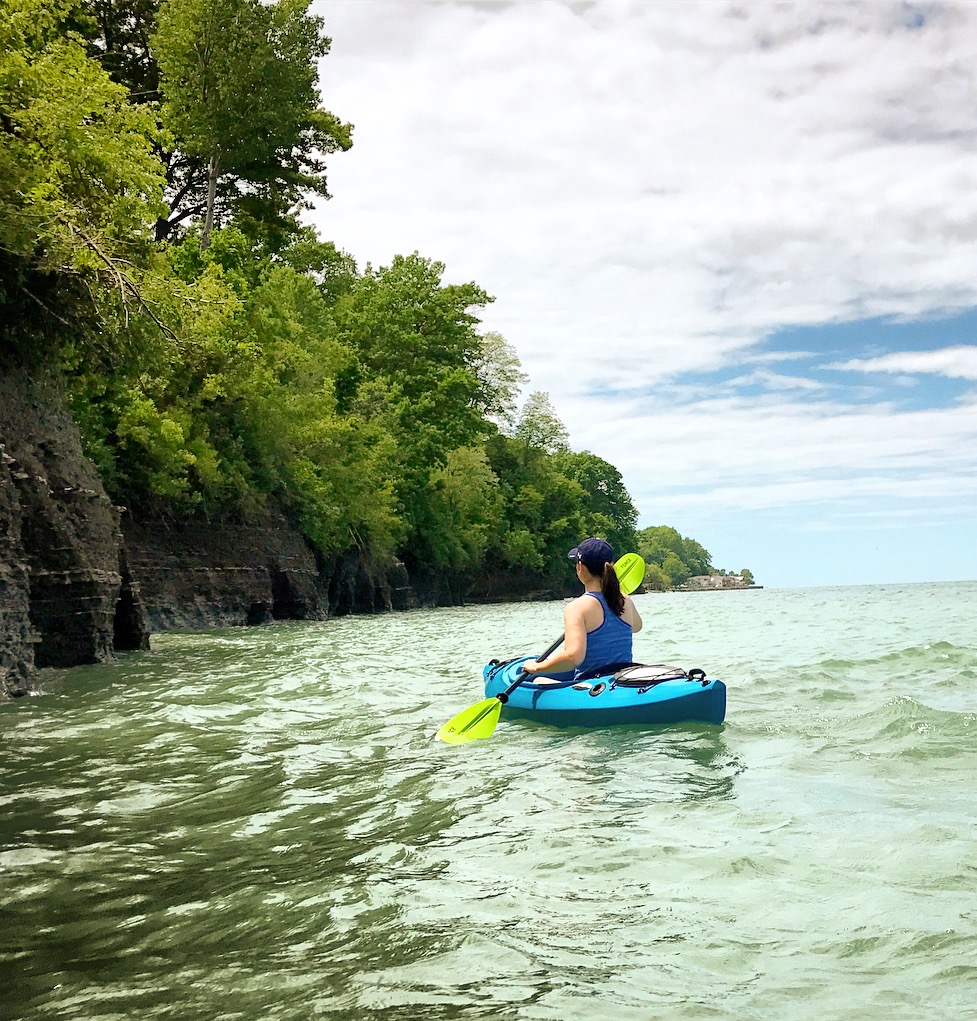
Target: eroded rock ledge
[
  {"x": 63, "y": 572},
  {"x": 199, "y": 575}
]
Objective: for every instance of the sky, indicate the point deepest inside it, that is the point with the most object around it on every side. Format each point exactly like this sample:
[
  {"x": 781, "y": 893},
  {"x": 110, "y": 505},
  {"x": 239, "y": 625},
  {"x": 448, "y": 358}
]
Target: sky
[{"x": 735, "y": 242}]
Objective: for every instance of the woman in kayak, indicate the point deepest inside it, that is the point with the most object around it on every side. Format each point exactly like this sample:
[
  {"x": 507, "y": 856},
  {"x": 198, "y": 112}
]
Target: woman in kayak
[{"x": 598, "y": 626}]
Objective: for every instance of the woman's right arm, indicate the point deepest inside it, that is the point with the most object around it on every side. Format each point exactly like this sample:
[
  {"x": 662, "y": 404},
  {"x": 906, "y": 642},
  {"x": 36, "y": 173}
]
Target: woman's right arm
[{"x": 574, "y": 648}]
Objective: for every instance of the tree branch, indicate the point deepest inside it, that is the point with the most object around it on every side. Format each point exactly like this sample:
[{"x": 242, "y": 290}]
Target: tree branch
[{"x": 121, "y": 279}]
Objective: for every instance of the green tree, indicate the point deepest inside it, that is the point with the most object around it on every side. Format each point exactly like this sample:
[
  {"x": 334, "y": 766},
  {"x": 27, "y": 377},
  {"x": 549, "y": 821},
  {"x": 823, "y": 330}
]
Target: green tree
[
  {"x": 540, "y": 426},
  {"x": 747, "y": 576},
  {"x": 119, "y": 38},
  {"x": 500, "y": 373},
  {"x": 466, "y": 509},
  {"x": 696, "y": 557},
  {"x": 239, "y": 84},
  {"x": 237, "y": 407},
  {"x": 656, "y": 542},
  {"x": 679, "y": 557},
  {"x": 542, "y": 507},
  {"x": 417, "y": 349},
  {"x": 675, "y": 569},
  {"x": 607, "y": 505},
  {"x": 79, "y": 181},
  {"x": 656, "y": 580}
]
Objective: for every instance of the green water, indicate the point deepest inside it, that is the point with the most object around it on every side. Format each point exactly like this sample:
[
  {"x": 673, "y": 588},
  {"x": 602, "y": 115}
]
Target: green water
[{"x": 256, "y": 824}]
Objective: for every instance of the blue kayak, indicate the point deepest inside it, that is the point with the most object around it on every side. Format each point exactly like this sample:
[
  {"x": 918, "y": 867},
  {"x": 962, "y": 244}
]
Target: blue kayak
[{"x": 629, "y": 694}]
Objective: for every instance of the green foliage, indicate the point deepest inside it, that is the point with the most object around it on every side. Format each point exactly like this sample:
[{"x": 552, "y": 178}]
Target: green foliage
[
  {"x": 611, "y": 512},
  {"x": 80, "y": 183},
  {"x": 540, "y": 426},
  {"x": 656, "y": 580},
  {"x": 535, "y": 499},
  {"x": 553, "y": 501},
  {"x": 247, "y": 363},
  {"x": 520, "y": 549},
  {"x": 119, "y": 35},
  {"x": 675, "y": 569},
  {"x": 673, "y": 559},
  {"x": 500, "y": 373},
  {"x": 467, "y": 510},
  {"x": 416, "y": 348},
  {"x": 155, "y": 445},
  {"x": 250, "y": 384}
]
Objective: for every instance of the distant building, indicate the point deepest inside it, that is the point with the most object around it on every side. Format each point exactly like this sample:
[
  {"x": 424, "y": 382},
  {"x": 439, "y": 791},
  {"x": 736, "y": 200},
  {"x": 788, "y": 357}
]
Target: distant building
[{"x": 712, "y": 582}]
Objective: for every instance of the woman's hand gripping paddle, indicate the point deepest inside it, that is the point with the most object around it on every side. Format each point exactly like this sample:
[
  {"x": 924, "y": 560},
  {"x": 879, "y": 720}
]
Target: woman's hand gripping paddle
[{"x": 478, "y": 721}]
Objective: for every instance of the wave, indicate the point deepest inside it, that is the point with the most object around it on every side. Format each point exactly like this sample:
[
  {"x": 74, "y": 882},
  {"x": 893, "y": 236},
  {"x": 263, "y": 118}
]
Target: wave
[{"x": 904, "y": 727}]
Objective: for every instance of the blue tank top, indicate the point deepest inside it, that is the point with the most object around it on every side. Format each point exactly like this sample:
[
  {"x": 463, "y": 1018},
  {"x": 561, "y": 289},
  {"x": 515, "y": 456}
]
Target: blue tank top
[{"x": 609, "y": 643}]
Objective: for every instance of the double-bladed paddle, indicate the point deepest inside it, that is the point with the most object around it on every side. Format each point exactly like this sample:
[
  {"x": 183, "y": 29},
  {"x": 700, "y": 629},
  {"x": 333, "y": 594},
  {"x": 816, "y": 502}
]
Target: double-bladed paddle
[{"x": 478, "y": 721}]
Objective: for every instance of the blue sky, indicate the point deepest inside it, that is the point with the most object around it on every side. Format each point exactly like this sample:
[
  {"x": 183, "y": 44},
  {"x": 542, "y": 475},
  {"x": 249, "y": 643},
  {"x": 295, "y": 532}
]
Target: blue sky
[{"x": 736, "y": 243}]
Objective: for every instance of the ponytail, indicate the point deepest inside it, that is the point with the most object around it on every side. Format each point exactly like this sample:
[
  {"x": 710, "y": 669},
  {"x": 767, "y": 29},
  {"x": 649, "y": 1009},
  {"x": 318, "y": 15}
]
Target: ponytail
[{"x": 610, "y": 589}]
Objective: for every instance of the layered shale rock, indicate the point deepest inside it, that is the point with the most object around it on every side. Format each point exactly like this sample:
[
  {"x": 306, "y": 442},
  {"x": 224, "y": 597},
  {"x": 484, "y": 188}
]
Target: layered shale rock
[
  {"x": 17, "y": 634},
  {"x": 198, "y": 574},
  {"x": 62, "y": 558}
]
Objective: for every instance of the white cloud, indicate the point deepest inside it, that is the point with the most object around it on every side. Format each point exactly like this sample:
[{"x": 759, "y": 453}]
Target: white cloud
[
  {"x": 958, "y": 362},
  {"x": 774, "y": 381},
  {"x": 770, "y": 453},
  {"x": 866, "y": 496},
  {"x": 661, "y": 175}
]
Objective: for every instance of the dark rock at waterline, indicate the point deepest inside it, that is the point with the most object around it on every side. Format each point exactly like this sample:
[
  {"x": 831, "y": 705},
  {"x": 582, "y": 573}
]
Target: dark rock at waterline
[
  {"x": 62, "y": 575},
  {"x": 198, "y": 574}
]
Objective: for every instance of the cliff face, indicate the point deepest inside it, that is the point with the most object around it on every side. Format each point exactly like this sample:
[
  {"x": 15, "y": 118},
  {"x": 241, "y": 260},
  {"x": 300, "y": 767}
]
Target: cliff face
[
  {"x": 17, "y": 634},
  {"x": 63, "y": 576},
  {"x": 202, "y": 575},
  {"x": 75, "y": 586}
]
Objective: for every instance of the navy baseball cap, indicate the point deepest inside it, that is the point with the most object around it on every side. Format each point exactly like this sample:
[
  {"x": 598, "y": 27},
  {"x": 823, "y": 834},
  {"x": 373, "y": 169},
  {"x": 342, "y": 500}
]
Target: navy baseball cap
[{"x": 593, "y": 554}]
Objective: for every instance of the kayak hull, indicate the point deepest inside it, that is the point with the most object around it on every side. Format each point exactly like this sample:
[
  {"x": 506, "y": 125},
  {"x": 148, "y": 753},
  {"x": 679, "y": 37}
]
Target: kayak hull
[{"x": 605, "y": 701}]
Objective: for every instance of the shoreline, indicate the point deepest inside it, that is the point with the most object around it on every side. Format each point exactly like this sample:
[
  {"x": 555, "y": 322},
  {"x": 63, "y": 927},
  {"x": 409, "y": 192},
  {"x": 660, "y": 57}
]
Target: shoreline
[{"x": 718, "y": 588}]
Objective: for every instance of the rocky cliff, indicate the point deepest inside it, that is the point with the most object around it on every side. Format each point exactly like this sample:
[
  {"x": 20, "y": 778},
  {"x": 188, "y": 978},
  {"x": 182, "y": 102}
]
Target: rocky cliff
[
  {"x": 79, "y": 579},
  {"x": 63, "y": 574},
  {"x": 17, "y": 634},
  {"x": 202, "y": 574}
]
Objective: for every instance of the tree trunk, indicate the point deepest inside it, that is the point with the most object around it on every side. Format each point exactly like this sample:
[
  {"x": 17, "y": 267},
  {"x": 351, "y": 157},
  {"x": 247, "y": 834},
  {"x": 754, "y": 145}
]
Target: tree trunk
[{"x": 212, "y": 172}]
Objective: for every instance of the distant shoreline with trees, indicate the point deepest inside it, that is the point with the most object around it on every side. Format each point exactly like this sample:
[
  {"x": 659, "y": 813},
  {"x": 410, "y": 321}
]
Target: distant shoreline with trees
[{"x": 676, "y": 563}]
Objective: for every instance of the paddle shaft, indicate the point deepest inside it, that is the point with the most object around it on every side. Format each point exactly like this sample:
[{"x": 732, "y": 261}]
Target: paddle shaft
[{"x": 503, "y": 697}]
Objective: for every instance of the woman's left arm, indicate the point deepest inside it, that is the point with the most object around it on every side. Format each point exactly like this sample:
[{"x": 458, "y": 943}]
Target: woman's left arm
[{"x": 631, "y": 615}]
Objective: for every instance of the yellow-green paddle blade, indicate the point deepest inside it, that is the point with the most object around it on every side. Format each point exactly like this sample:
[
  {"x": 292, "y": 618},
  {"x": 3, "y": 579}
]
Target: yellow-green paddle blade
[
  {"x": 471, "y": 724},
  {"x": 630, "y": 571}
]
